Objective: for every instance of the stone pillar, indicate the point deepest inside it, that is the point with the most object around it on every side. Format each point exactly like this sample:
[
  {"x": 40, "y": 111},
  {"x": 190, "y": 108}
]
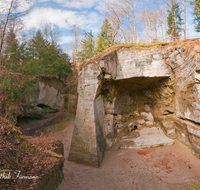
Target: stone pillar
[{"x": 88, "y": 142}]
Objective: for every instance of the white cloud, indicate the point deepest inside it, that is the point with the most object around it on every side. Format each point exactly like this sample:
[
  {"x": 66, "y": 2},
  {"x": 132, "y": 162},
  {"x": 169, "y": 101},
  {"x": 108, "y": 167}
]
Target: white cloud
[
  {"x": 101, "y": 6},
  {"x": 22, "y": 5},
  {"x": 65, "y": 39},
  {"x": 80, "y": 4},
  {"x": 62, "y": 18},
  {"x": 76, "y": 4},
  {"x": 47, "y": 15}
]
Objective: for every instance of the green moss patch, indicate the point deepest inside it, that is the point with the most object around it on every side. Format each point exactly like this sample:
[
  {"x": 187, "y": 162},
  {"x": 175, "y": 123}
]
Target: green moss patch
[
  {"x": 59, "y": 126},
  {"x": 118, "y": 47},
  {"x": 186, "y": 45}
]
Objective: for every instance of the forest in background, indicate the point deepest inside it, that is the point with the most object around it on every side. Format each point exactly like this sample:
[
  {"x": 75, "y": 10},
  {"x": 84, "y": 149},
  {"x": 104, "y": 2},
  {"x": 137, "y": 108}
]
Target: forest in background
[
  {"x": 26, "y": 56},
  {"x": 133, "y": 21},
  {"x": 22, "y": 63}
]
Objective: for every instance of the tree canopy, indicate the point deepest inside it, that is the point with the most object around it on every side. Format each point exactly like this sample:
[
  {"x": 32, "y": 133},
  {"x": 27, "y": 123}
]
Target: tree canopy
[
  {"x": 26, "y": 62},
  {"x": 105, "y": 36},
  {"x": 46, "y": 59},
  {"x": 174, "y": 21},
  {"x": 87, "y": 47},
  {"x": 196, "y": 13}
]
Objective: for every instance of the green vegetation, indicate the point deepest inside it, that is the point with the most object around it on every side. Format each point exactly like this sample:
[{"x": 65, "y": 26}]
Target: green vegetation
[
  {"x": 105, "y": 36},
  {"x": 24, "y": 64},
  {"x": 160, "y": 145},
  {"x": 174, "y": 21},
  {"x": 59, "y": 126},
  {"x": 45, "y": 58},
  {"x": 87, "y": 47},
  {"x": 194, "y": 187},
  {"x": 196, "y": 13}
]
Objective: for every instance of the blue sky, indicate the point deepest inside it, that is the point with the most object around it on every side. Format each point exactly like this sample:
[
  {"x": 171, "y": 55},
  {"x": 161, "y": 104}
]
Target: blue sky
[{"x": 66, "y": 13}]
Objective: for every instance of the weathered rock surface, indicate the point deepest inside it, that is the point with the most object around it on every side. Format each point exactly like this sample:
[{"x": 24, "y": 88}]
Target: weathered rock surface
[
  {"x": 47, "y": 98},
  {"x": 154, "y": 86},
  {"x": 147, "y": 116},
  {"x": 89, "y": 143},
  {"x": 71, "y": 102},
  {"x": 148, "y": 138},
  {"x": 142, "y": 63}
]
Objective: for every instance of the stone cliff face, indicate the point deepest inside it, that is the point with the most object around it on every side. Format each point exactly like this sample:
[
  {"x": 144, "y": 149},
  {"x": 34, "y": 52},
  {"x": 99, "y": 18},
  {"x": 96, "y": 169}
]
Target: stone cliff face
[
  {"x": 46, "y": 98},
  {"x": 137, "y": 86}
]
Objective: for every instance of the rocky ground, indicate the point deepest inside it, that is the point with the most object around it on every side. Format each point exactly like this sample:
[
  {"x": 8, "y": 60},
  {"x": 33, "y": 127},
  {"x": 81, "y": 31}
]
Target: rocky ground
[{"x": 163, "y": 168}]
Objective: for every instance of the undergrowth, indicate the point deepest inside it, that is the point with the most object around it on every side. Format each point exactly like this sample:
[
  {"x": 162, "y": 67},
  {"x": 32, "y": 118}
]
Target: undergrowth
[{"x": 23, "y": 156}]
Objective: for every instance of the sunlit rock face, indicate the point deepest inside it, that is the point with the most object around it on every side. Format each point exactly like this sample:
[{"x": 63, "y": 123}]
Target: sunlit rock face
[
  {"x": 89, "y": 144},
  {"x": 136, "y": 87},
  {"x": 47, "y": 98},
  {"x": 148, "y": 63}
]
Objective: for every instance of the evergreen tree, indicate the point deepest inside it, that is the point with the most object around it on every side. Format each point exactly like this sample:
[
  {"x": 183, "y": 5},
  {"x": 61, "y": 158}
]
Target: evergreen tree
[
  {"x": 12, "y": 80},
  {"x": 196, "y": 13},
  {"x": 87, "y": 46},
  {"x": 13, "y": 54},
  {"x": 23, "y": 64},
  {"x": 46, "y": 59},
  {"x": 174, "y": 22},
  {"x": 105, "y": 36}
]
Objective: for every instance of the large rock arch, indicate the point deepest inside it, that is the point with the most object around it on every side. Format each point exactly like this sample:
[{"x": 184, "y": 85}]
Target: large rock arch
[{"x": 162, "y": 81}]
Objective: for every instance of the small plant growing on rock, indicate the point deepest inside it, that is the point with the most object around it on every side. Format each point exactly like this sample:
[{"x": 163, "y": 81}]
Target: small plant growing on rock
[{"x": 194, "y": 187}]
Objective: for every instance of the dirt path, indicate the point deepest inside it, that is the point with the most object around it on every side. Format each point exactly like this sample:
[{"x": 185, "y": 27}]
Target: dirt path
[{"x": 164, "y": 168}]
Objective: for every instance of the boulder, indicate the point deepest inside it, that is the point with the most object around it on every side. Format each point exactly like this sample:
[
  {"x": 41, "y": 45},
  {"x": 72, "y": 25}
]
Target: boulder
[
  {"x": 147, "y": 116},
  {"x": 141, "y": 121},
  {"x": 149, "y": 123}
]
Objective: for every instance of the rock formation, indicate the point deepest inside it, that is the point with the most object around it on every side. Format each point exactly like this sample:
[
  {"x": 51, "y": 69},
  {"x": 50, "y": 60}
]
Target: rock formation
[
  {"x": 127, "y": 87},
  {"x": 46, "y": 98}
]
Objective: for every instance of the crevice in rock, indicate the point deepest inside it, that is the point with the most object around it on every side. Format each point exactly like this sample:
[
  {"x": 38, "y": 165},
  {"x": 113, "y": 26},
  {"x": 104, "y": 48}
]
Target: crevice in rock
[
  {"x": 168, "y": 112},
  {"x": 192, "y": 122},
  {"x": 42, "y": 106}
]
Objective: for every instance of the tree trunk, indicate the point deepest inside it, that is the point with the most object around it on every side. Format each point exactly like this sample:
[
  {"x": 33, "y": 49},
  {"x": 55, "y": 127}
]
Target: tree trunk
[
  {"x": 184, "y": 19},
  {"x": 4, "y": 30}
]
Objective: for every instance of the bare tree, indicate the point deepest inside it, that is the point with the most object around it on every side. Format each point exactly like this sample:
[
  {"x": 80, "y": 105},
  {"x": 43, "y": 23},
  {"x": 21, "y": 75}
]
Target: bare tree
[
  {"x": 184, "y": 19},
  {"x": 163, "y": 13},
  {"x": 76, "y": 31},
  {"x": 51, "y": 33},
  {"x": 170, "y": 3},
  {"x": 127, "y": 17},
  {"x": 124, "y": 11},
  {"x": 4, "y": 26},
  {"x": 145, "y": 18},
  {"x": 115, "y": 29},
  {"x": 10, "y": 12},
  {"x": 152, "y": 24},
  {"x": 128, "y": 33},
  {"x": 129, "y": 7},
  {"x": 116, "y": 16}
]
